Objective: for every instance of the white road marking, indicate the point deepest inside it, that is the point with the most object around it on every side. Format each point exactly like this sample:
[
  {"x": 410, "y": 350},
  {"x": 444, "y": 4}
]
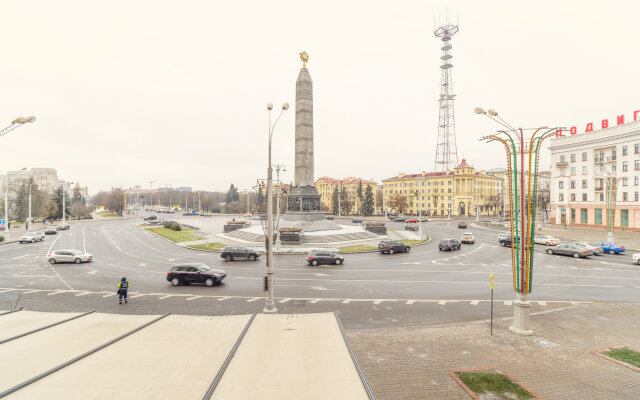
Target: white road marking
[
  {"x": 6, "y": 290},
  {"x": 378, "y": 301},
  {"x": 83, "y": 294},
  {"x": 346, "y": 301},
  {"x": 110, "y": 294},
  {"x": 224, "y": 298},
  {"x": 253, "y": 299},
  {"x": 409, "y": 302},
  {"x": 314, "y": 301},
  {"x": 58, "y": 292},
  {"x": 31, "y": 291},
  {"x": 442, "y": 302},
  {"x": 319, "y": 288},
  {"x": 165, "y": 297},
  {"x": 84, "y": 242},
  {"x": 475, "y": 302},
  {"x": 193, "y": 298},
  {"x": 507, "y": 302},
  {"x": 284, "y": 300},
  {"x": 542, "y": 303}
]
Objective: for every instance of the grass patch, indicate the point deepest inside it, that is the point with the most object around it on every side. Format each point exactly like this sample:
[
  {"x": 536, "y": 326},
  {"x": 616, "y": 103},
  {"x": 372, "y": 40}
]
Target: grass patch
[
  {"x": 106, "y": 214},
  {"x": 493, "y": 382},
  {"x": 208, "y": 246},
  {"x": 184, "y": 235},
  {"x": 625, "y": 355},
  {"x": 411, "y": 242},
  {"x": 356, "y": 249}
]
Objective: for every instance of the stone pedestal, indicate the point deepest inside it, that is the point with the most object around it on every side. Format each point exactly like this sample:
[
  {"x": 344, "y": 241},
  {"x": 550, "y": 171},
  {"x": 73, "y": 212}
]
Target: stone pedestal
[
  {"x": 609, "y": 236},
  {"x": 303, "y": 211},
  {"x": 521, "y": 309}
]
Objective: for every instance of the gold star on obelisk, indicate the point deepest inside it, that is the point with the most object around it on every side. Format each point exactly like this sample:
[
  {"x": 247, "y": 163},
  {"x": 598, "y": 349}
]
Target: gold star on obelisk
[{"x": 304, "y": 57}]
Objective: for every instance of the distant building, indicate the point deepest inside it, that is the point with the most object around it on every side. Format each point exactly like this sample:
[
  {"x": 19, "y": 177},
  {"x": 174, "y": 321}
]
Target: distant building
[
  {"x": 326, "y": 187},
  {"x": 45, "y": 178},
  {"x": 184, "y": 189},
  {"x": 544, "y": 182}
]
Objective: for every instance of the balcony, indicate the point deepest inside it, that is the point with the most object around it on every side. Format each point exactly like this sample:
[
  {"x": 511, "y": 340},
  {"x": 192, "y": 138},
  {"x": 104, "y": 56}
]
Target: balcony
[
  {"x": 599, "y": 188},
  {"x": 562, "y": 164}
]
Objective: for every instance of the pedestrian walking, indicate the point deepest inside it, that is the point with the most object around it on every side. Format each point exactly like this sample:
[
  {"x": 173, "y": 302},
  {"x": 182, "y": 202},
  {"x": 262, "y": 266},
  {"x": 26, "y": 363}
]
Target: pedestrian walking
[{"x": 123, "y": 286}]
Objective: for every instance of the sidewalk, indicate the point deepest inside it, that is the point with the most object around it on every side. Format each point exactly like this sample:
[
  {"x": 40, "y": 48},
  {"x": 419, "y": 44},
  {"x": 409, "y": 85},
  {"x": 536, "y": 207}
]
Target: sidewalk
[
  {"x": 555, "y": 362},
  {"x": 629, "y": 239}
]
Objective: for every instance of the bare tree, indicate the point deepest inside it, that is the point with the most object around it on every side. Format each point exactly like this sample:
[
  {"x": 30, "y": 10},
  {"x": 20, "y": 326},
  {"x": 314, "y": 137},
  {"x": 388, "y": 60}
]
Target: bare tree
[{"x": 399, "y": 203}]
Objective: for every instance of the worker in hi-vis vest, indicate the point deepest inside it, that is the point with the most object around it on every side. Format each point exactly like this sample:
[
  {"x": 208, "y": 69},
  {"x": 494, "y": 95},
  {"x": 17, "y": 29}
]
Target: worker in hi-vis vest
[{"x": 122, "y": 290}]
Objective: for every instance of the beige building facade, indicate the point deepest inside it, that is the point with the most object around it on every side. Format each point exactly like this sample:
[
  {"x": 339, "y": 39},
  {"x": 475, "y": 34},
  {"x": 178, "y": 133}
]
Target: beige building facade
[{"x": 326, "y": 186}]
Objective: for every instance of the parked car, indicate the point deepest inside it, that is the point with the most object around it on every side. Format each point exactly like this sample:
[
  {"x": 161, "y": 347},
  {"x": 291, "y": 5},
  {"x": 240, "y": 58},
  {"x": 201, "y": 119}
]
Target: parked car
[
  {"x": 424, "y": 219},
  {"x": 151, "y": 218},
  {"x": 356, "y": 221},
  {"x": 32, "y": 237},
  {"x": 546, "y": 240},
  {"x": 568, "y": 249},
  {"x": 449, "y": 244},
  {"x": 188, "y": 273},
  {"x": 412, "y": 227},
  {"x": 230, "y": 253},
  {"x": 596, "y": 250},
  {"x": 468, "y": 237},
  {"x": 636, "y": 258},
  {"x": 50, "y": 230},
  {"x": 62, "y": 226},
  {"x": 610, "y": 247},
  {"x": 74, "y": 256},
  {"x": 462, "y": 225},
  {"x": 505, "y": 241},
  {"x": 502, "y": 235},
  {"x": 412, "y": 220},
  {"x": 393, "y": 246},
  {"x": 324, "y": 257}
]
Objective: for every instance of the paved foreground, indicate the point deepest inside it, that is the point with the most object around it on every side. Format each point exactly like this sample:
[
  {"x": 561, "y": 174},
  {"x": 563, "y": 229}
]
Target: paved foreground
[{"x": 555, "y": 363}]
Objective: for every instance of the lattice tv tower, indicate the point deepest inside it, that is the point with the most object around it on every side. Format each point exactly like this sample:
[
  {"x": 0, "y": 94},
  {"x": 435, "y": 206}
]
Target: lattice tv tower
[{"x": 446, "y": 152}]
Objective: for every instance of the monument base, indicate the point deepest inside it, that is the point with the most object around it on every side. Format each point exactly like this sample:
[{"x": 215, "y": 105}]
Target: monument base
[
  {"x": 521, "y": 316},
  {"x": 308, "y": 221}
]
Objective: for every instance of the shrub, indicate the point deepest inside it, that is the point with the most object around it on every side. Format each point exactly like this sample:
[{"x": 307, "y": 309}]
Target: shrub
[
  {"x": 172, "y": 225},
  {"x": 1, "y": 238}
]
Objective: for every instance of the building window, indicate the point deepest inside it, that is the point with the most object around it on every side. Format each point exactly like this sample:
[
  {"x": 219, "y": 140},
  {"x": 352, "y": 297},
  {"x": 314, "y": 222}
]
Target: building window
[
  {"x": 624, "y": 217},
  {"x": 625, "y": 166},
  {"x": 449, "y": 190},
  {"x": 573, "y": 215},
  {"x": 598, "y": 216},
  {"x": 636, "y": 165},
  {"x": 601, "y": 196},
  {"x": 584, "y": 183},
  {"x": 636, "y": 181},
  {"x": 560, "y": 184},
  {"x": 584, "y": 170},
  {"x": 573, "y": 184},
  {"x": 614, "y": 167},
  {"x": 584, "y": 156},
  {"x": 625, "y": 150},
  {"x": 584, "y": 197},
  {"x": 636, "y": 196},
  {"x": 637, "y": 148},
  {"x": 561, "y": 197},
  {"x": 573, "y": 158},
  {"x": 573, "y": 197},
  {"x": 573, "y": 170},
  {"x": 624, "y": 181},
  {"x": 624, "y": 196}
]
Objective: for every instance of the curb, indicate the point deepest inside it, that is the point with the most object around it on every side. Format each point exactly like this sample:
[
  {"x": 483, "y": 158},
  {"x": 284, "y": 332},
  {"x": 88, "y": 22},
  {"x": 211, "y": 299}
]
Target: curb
[{"x": 375, "y": 251}]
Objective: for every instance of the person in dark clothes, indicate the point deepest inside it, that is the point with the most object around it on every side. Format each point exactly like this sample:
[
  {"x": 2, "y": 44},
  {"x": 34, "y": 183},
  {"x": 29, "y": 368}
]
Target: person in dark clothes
[{"x": 123, "y": 286}]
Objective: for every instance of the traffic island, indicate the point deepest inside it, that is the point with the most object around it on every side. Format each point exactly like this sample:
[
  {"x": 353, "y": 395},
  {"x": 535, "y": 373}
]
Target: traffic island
[
  {"x": 185, "y": 235},
  {"x": 235, "y": 225},
  {"x": 208, "y": 246},
  {"x": 491, "y": 383},
  {"x": 620, "y": 354}
]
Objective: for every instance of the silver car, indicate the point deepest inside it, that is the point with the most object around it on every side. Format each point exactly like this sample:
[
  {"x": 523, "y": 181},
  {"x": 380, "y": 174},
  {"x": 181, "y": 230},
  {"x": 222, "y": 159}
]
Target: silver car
[
  {"x": 596, "y": 250},
  {"x": 32, "y": 237},
  {"x": 74, "y": 256},
  {"x": 569, "y": 250}
]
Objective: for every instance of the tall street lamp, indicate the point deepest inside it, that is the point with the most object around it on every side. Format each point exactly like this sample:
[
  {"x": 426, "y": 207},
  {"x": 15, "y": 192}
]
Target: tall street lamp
[
  {"x": 14, "y": 124},
  {"x": 270, "y": 307},
  {"x": 612, "y": 191},
  {"x": 522, "y": 157}
]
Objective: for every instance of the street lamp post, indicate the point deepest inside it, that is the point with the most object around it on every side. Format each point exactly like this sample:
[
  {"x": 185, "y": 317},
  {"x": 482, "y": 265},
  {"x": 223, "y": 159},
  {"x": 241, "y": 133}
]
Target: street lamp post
[
  {"x": 270, "y": 306},
  {"x": 14, "y": 124},
  {"x": 522, "y": 156},
  {"x": 278, "y": 167},
  {"x": 29, "y": 218},
  {"x": 612, "y": 191}
]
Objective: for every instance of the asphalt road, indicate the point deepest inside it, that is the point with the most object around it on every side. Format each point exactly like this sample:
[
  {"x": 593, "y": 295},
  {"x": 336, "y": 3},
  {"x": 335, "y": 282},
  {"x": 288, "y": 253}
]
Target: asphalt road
[{"x": 370, "y": 290}]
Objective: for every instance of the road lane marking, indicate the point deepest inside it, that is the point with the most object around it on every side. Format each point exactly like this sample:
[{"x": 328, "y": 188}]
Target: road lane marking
[
  {"x": 442, "y": 302},
  {"x": 284, "y": 300},
  {"x": 542, "y": 303},
  {"x": 110, "y": 294},
  {"x": 193, "y": 298},
  {"x": 378, "y": 301},
  {"x": 84, "y": 294},
  {"x": 224, "y": 298},
  {"x": 475, "y": 302},
  {"x": 253, "y": 299},
  {"x": 58, "y": 292},
  {"x": 409, "y": 302},
  {"x": 7, "y": 290},
  {"x": 346, "y": 301},
  {"x": 507, "y": 302},
  {"x": 165, "y": 297},
  {"x": 314, "y": 301}
]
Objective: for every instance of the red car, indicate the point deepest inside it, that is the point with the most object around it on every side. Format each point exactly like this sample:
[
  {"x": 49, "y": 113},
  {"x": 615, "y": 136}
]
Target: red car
[{"x": 414, "y": 220}]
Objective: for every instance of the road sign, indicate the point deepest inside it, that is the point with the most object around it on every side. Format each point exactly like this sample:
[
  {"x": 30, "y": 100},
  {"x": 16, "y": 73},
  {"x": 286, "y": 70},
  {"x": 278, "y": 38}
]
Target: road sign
[
  {"x": 491, "y": 285},
  {"x": 491, "y": 281}
]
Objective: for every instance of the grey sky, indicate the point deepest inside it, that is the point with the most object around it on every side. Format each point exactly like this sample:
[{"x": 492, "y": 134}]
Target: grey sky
[{"x": 132, "y": 91}]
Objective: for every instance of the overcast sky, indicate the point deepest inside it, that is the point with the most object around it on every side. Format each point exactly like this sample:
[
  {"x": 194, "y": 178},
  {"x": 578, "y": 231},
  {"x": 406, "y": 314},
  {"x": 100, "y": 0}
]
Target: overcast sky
[{"x": 128, "y": 92}]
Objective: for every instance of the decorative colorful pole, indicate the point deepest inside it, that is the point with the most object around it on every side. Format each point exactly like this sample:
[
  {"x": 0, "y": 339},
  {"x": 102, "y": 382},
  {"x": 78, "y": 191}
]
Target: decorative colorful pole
[
  {"x": 612, "y": 191},
  {"x": 522, "y": 158}
]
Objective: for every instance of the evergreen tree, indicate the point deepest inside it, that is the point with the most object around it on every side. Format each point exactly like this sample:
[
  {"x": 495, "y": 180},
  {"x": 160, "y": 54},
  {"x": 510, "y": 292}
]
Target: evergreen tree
[
  {"x": 57, "y": 199},
  {"x": 260, "y": 199},
  {"x": 335, "y": 201},
  {"x": 77, "y": 196},
  {"x": 359, "y": 195},
  {"x": 345, "y": 201},
  {"x": 232, "y": 194},
  {"x": 368, "y": 202}
]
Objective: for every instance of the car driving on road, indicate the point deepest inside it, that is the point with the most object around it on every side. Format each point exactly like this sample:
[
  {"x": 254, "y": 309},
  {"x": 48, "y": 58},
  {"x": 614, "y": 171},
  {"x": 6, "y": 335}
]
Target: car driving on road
[
  {"x": 610, "y": 247},
  {"x": 73, "y": 256},
  {"x": 188, "y": 273},
  {"x": 393, "y": 246},
  {"x": 231, "y": 253},
  {"x": 151, "y": 218},
  {"x": 568, "y": 249},
  {"x": 50, "y": 230},
  {"x": 449, "y": 244},
  {"x": 324, "y": 257},
  {"x": 468, "y": 237},
  {"x": 31, "y": 237},
  {"x": 502, "y": 235},
  {"x": 462, "y": 225},
  {"x": 546, "y": 240},
  {"x": 62, "y": 226},
  {"x": 596, "y": 250},
  {"x": 636, "y": 258}
]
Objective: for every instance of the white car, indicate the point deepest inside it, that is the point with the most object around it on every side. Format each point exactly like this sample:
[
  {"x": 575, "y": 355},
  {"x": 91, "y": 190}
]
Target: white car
[
  {"x": 32, "y": 237},
  {"x": 75, "y": 256},
  {"x": 468, "y": 237},
  {"x": 503, "y": 235},
  {"x": 636, "y": 258},
  {"x": 547, "y": 240}
]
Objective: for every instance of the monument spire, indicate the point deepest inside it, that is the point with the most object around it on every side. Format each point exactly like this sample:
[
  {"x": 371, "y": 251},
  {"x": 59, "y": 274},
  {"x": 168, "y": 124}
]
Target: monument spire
[{"x": 304, "y": 126}]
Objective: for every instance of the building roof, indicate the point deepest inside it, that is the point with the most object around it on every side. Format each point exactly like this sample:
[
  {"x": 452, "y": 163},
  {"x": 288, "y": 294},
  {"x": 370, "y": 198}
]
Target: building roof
[
  {"x": 464, "y": 164},
  {"x": 345, "y": 180}
]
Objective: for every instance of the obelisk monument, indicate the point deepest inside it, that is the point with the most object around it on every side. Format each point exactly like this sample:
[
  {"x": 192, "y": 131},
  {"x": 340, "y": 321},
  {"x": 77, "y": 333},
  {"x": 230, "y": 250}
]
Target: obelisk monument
[{"x": 304, "y": 201}]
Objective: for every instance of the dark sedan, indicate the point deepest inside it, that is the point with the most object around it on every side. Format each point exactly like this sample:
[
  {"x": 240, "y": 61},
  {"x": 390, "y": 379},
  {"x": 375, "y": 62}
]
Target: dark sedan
[
  {"x": 462, "y": 225},
  {"x": 151, "y": 218},
  {"x": 50, "y": 230},
  {"x": 569, "y": 249},
  {"x": 239, "y": 253},
  {"x": 186, "y": 274},
  {"x": 449, "y": 244},
  {"x": 400, "y": 219},
  {"x": 393, "y": 246},
  {"x": 324, "y": 257}
]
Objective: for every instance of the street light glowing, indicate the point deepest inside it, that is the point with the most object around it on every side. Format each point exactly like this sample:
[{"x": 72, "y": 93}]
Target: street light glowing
[{"x": 479, "y": 110}]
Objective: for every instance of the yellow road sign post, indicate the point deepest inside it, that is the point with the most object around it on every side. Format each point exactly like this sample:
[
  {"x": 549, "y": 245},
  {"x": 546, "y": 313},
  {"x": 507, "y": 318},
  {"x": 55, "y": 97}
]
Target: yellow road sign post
[{"x": 491, "y": 286}]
